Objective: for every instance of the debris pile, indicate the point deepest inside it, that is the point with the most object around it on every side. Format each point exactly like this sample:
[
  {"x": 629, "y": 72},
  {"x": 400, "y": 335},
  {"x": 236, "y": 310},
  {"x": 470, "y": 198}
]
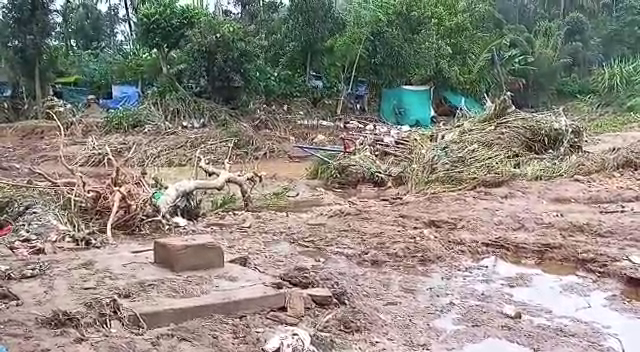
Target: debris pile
[
  {"x": 97, "y": 314},
  {"x": 502, "y": 145},
  {"x": 125, "y": 202}
]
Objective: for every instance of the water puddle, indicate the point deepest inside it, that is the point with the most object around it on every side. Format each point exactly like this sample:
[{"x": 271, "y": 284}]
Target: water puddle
[
  {"x": 567, "y": 296},
  {"x": 495, "y": 345}
]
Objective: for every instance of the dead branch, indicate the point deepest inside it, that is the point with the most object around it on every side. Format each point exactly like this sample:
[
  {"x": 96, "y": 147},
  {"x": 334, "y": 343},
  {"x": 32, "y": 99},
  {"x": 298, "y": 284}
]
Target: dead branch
[
  {"x": 114, "y": 211},
  {"x": 181, "y": 189}
]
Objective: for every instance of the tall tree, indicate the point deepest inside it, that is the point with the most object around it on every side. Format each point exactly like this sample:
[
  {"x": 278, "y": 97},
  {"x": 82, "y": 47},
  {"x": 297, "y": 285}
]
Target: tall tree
[
  {"x": 164, "y": 24},
  {"x": 29, "y": 28},
  {"x": 311, "y": 23},
  {"x": 89, "y": 26}
]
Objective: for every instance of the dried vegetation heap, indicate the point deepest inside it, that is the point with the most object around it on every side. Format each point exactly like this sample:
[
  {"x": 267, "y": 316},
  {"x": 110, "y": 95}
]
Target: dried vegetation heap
[
  {"x": 502, "y": 145},
  {"x": 89, "y": 205}
]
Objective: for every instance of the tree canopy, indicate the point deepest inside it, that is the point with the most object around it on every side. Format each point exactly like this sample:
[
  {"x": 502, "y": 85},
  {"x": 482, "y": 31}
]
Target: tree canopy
[{"x": 541, "y": 50}]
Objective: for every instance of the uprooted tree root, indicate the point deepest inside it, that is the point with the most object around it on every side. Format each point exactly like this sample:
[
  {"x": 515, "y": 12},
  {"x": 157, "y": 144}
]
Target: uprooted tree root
[
  {"x": 124, "y": 202},
  {"x": 98, "y": 313}
]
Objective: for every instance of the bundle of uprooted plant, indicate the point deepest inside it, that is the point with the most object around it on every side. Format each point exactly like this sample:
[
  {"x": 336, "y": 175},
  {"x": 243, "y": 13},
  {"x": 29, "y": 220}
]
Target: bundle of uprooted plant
[
  {"x": 126, "y": 203},
  {"x": 502, "y": 145}
]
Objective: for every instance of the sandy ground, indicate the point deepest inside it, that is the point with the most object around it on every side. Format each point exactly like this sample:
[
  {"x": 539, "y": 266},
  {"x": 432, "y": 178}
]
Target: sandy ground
[{"x": 409, "y": 273}]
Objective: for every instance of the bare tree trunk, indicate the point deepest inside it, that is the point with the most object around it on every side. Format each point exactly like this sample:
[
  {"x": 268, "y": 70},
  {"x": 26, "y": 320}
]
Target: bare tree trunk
[
  {"x": 308, "y": 69},
  {"x": 353, "y": 74},
  {"x": 562, "y": 8},
  {"x": 162, "y": 55},
  {"x": 129, "y": 22},
  {"x": 38, "y": 88}
]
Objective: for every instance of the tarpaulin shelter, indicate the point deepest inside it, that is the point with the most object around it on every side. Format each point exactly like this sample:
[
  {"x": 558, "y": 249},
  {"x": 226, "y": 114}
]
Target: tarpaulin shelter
[
  {"x": 70, "y": 89},
  {"x": 124, "y": 96},
  {"x": 407, "y": 105},
  {"x": 467, "y": 104}
]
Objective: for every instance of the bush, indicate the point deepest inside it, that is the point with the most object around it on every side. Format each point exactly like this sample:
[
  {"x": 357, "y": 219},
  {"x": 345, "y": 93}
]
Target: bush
[{"x": 125, "y": 120}]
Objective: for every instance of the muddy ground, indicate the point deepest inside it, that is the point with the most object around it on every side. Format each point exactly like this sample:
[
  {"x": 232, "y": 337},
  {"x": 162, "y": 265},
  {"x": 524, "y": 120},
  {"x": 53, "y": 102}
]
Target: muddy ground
[{"x": 409, "y": 272}]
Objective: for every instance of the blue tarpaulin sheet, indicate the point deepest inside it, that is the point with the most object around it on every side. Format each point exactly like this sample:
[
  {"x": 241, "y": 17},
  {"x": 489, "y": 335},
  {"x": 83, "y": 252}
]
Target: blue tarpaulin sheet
[{"x": 124, "y": 97}]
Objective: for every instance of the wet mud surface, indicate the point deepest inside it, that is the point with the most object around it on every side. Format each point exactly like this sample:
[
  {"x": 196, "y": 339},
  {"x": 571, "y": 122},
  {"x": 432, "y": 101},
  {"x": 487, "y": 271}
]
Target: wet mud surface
[{"x": 444, "y": 272}]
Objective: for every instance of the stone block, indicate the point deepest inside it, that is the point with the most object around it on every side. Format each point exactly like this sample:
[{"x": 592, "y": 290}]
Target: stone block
[{"x": 181, "y": 254}]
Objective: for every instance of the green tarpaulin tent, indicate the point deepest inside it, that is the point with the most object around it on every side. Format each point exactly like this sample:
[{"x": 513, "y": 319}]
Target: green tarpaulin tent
[
  {"x": 407, "y": 105},
  {"x": 465, "y": 103}
]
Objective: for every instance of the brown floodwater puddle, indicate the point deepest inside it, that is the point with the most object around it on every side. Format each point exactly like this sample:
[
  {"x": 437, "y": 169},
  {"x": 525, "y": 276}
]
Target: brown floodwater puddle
[
  {"x": 546, "y": 266},
  {"x": 630, "y": 286}
]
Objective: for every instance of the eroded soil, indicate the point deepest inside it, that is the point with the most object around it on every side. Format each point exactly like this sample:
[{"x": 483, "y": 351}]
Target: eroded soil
[{"x": 410, "y": 273}]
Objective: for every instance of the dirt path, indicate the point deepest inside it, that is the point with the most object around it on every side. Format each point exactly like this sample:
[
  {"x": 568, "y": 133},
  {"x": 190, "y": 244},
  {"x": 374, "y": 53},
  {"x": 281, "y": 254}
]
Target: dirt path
[{"x": 411, "y": 273}]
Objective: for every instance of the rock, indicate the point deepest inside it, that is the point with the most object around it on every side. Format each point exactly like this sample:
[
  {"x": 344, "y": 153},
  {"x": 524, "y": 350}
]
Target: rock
[
  {"x": 511, "y": 312},
  {"x": 295, "y": 304},
  {"x": 242, "y": 260},
  {"x": 180, "y": 254},
  {"x": 635, "y": 259},
  {"x": 320, "y": 296},
  {"x": 282, "y": 318}
]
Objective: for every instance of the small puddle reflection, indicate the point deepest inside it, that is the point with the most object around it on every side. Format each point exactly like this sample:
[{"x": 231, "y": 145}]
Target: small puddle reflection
[
  {"x": 495, "y": 345},
  {"x": 550, "y": 291}
]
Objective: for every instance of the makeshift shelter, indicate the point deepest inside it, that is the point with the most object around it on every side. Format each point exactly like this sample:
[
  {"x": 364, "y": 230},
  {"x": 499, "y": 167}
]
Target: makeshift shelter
[
  {"x": 70, "y": 90},
  {"x": 462, "y": 102},
  {"x": 124, "y": 97},
  {"x": 407, "y": 105}
]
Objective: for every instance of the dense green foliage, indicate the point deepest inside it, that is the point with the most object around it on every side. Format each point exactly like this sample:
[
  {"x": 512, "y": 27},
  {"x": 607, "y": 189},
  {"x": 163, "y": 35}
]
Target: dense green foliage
[{"x": 543, "y": 51}]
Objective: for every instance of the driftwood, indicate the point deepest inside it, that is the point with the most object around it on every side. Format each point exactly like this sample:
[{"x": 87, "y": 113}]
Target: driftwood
[{"x": 124, "y": 203}]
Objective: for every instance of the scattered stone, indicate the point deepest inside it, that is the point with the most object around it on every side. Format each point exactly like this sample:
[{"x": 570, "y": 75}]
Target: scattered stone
[
  {"x": 179, "y": 254},
  {"x": 242, "y": 260},
  {"x": 635, "y": 259},
  {"x": 283, "y": 318},
  {"x": 320, "y": 296},
  {"x": 295, "y": 304},
  {"x": 511, "y": 312},
  {"x": 301, "y": 277},
  {"x": 8, "y": 298}
]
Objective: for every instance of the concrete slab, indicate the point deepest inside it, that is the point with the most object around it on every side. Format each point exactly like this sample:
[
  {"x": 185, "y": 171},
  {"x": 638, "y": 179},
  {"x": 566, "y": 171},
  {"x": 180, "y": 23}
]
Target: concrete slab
[{"x": 175, "y": 311}]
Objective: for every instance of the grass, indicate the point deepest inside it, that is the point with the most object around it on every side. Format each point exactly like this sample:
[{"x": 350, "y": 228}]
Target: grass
[
  {"x": 277, "y": 198},
  {"x": 224, "y": 202},
  {"x": 613, "y": 123}
]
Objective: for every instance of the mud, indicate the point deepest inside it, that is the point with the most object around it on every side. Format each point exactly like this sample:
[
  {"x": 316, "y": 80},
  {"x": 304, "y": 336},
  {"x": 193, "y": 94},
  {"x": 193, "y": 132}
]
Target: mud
[{"x": 408, "y": 272}]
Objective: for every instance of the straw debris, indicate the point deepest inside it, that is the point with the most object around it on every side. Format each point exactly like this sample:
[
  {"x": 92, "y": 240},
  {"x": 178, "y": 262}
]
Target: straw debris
[{"x": 503, "y": 145}]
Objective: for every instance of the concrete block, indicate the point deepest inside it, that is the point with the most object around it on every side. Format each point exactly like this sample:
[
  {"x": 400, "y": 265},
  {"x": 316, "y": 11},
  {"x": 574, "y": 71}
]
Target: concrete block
[
  {"x": 253, "y": 299},
  {"x": 180, "y": 254}
]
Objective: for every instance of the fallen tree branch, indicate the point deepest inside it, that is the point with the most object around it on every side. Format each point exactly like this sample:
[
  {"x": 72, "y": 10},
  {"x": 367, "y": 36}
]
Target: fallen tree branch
[{"x": 175, "y": 192}]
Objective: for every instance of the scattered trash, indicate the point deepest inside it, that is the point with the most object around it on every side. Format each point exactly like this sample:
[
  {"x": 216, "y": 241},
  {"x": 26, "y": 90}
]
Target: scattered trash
[
  {"x": 27, "y": 272},
  {"x": 511, "y": 312},
  {"x": 5, "y": 230},
  {"x": 291, "y": 340},
  {"x": 3, "y": 349}
]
